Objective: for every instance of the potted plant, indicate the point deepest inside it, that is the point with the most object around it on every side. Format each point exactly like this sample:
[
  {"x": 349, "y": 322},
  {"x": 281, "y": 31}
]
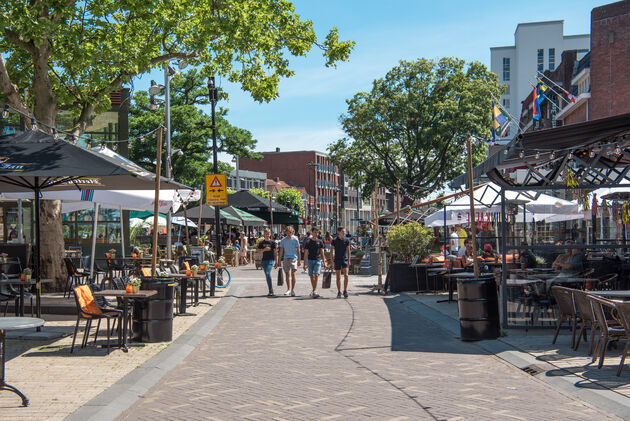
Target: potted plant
[
  {"x": 406, "y": 242},
  {"x": 136, "y": 285},
  {"x": 205, "y": 265},
  {"x": 3, "y": 257},
  {"x": 27, "y": 274},
  {"x": 194, "y": 269}
]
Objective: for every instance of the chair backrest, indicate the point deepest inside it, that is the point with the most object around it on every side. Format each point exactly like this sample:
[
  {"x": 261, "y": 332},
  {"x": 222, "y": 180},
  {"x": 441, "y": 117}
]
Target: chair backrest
[
  {"x": 85, "y": 301},
  {"x": 11, "y": 268},
  {"x": 173, "y": 269},
  {"x": 118, "y": 283},
  {"x": 69, "y": 266},
  {"x": 564, "y": 298},
  {"x": 623, "y": 312},
  {"x": 146, "y": 271},
  {"x": 583, "y": 305},
  {"x": 4, "y": 288},
  {"x": 599, "y": 304}
]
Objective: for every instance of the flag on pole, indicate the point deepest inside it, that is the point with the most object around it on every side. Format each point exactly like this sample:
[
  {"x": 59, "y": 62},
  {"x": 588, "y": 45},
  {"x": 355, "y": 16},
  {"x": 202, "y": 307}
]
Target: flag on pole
[
  {"x": 536, "y": 114},
  {"x": 571, "y": 97},
  {"x": 498, "y": 122}
]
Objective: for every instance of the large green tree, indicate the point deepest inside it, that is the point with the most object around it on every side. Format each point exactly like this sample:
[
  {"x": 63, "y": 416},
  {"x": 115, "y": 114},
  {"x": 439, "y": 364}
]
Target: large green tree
[
  {"x": 411, "y": 127},
  {"x": 68, "y": 55},
  {"x": 292, "y": 199},
  {"x": 191, "y": 131}
]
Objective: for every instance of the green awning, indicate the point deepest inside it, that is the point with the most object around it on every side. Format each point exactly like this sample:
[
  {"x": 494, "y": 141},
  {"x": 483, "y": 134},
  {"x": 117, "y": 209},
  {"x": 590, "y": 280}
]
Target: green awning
[
  {"x": 247, "y": 218},
  {"x": 143, "y": 214}
]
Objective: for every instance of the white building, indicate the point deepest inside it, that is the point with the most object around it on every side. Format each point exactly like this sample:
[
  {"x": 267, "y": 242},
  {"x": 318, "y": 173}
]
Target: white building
[
  {"x": 537, "y": 46},
  {"x": 247, "y": 180}
]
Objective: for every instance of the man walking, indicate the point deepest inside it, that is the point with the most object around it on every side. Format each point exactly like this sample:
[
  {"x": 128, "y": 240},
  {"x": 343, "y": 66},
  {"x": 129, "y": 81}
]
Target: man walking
[
  {"x": 341, "y": 245},
  {"x": 313, "y": 258},
  {"x": 290, "y": 252}
]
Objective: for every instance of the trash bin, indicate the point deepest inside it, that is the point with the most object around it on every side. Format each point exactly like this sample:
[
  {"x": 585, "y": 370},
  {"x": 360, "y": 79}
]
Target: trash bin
[
  {"x": 153, "y": 318},
  {"x": 478, "y": 305}
]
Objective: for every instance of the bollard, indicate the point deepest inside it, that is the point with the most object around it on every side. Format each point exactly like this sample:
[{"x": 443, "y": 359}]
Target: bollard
[{"x": 213, "y": 282}]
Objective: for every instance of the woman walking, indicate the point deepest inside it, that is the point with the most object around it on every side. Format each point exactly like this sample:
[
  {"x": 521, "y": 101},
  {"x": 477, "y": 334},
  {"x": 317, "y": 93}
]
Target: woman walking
[
  {"x": 268, "y": 248},
  {"x": 243, "y": 252}
]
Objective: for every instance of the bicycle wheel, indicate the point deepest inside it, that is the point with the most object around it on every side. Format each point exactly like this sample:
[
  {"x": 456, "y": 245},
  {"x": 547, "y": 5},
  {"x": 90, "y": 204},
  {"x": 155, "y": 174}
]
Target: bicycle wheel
[{"x": 223, "y": 278}]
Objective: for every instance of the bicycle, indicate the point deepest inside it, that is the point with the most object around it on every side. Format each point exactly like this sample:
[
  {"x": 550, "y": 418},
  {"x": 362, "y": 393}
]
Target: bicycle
[{"x": 223, "y": 276}]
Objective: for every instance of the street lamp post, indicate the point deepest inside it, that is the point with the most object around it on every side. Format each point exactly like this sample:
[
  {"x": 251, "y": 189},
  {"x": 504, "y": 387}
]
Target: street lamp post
[
  {"x": 213, "y": 96},
  {"x": 167, "y": 111}
]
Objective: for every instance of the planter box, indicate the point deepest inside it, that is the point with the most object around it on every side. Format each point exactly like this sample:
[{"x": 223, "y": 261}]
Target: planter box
[{"x": 402, "y": 277}]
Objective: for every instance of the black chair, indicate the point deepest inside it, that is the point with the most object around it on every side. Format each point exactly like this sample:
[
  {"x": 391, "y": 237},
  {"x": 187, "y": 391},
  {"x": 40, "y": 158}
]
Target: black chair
[
  {"x": 12, "y": 269},
  {"x": 75, "y": 277},
  {"x": 88, "y": 315},
  {"x": 5, "y": 293}
]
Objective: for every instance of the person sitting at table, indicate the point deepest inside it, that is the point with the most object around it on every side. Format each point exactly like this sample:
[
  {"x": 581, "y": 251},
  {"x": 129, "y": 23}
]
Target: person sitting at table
[
  {"x": 468, "y": 258},
  {"x": 561, "y": 259},
  {"x": 488, "y": 252},
  {"x": 527, "y": 259},
  {"x": 463, "y": 250}
]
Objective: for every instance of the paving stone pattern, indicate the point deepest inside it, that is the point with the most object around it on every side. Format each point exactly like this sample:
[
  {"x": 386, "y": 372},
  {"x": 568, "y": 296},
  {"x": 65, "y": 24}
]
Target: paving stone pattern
[{"x": 368, "y": 357}]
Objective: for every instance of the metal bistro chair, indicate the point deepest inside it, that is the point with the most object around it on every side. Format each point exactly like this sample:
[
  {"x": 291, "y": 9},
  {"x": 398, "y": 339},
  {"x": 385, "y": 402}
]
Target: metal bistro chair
[
  {"x": 608, "y": 330},
  {"x": 88, "y": 309},
  {"x": 75, "y": 278},
  {"x": 566, "y": 310},
  {"x": 12, "y": 269}
]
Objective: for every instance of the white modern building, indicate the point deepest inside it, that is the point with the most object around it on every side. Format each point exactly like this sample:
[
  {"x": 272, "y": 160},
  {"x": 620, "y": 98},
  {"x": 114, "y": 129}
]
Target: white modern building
[
  {"x": 538, "y": 46},
  {"x": 245, "y": 180}
]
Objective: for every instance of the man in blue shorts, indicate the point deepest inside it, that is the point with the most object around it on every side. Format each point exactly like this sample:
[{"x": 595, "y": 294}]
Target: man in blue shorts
[
  {"x": 313, "y": 258},
  {"x": 341, "y": 245},
  {"x": 290, "y": 258}
]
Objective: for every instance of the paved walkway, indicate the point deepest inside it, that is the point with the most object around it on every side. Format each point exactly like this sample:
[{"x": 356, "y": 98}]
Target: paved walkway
[{"x": 297, "y": 358}]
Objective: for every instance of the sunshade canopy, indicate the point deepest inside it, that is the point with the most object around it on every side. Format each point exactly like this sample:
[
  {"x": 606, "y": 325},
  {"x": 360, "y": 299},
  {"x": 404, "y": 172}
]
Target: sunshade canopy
[
  {"x": 207, "y": 215},
  {"x": 35, "y": 160},
  {"x": 246, "y": 218}
]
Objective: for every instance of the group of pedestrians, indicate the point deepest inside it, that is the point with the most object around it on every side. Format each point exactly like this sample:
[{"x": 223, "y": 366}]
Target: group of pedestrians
[{"x": 288, "y": 255}]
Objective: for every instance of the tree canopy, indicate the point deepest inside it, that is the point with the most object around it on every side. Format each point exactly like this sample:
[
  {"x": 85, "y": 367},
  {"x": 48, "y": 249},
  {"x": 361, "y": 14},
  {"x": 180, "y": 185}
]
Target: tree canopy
[
  {"x": 191, "y": 131},
  {"x": 72, "y": 54},
  {"x": 292, "y": 199},
  {"x": 411, "y": 127}
]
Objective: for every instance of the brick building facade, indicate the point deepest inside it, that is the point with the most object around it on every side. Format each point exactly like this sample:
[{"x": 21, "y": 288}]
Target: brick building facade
[
  {"x": 610, "y": 60},
  {"x": 310, "y": 169}
]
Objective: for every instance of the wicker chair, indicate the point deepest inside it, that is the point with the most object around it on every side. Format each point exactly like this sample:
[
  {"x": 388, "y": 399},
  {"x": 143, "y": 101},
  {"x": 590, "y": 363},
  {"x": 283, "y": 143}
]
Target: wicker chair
[
  {"x": 566, "y": 308},
  {"x": 587, "y": 318},
  {"x": 623, "y": 314},
  {"x": 607, "y": 331}
]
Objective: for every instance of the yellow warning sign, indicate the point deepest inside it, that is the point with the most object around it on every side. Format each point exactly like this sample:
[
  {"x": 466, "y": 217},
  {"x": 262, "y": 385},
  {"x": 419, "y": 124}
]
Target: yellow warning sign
[{"x": 216, "y": 190}]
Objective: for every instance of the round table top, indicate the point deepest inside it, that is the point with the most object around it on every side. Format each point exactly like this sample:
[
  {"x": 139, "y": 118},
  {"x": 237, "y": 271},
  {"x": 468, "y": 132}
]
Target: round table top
[{"x": 17, "y": 323}]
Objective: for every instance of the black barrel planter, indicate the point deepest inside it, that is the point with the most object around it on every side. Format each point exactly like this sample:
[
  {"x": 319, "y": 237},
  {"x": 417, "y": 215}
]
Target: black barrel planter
[
  {"x": 153, "y": 318},
  {"x": 478, "y": 305}
]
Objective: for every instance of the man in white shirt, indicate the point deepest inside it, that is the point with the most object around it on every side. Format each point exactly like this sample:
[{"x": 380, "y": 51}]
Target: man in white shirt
[
  {"x": 454, "y": 242},
  {"x": 289, "y": 252}
]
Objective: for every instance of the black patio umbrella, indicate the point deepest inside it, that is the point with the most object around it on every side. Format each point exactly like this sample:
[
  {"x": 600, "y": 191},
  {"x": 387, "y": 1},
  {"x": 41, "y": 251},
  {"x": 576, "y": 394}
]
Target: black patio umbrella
[
  {"x": 35, "y": 161},
  {"x": 207, "y": 215}
]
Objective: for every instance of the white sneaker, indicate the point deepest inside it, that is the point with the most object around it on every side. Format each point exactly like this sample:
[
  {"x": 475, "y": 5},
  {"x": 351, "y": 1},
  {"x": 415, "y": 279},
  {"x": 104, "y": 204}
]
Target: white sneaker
[
  {"x": 292, "y": 293},
  {"x": 315, "y": 294},
  {"x": 288, "y": 293}
]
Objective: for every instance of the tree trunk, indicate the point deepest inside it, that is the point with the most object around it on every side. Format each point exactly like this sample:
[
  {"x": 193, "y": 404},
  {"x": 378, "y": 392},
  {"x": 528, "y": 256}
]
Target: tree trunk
[{"x": 52, "y": 251}]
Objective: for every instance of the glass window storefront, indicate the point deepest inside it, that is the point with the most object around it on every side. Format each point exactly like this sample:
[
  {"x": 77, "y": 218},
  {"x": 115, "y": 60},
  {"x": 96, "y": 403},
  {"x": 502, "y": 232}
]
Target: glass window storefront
[{"x": 77, "y": 227}]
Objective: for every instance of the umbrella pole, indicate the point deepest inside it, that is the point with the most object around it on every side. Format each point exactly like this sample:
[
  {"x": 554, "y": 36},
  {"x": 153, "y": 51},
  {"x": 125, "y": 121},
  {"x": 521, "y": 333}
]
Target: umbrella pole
[
  {"x": 473, "y": 223},
  {"x": 38, "y": 254},
  {"x": 94, "y": 229},
  {"x": 186, "y": 225},
  {"x": 156, "y": 203},
  {"x": 122, "y": 234}
]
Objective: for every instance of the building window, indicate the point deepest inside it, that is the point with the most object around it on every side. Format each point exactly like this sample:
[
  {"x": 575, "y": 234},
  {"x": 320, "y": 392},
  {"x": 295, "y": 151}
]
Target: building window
[
  {"x": 541, "y": 59},
  {"x": 506, "y": 103},
  {"x": 552, "y": 59},
  {"x": 506, "y": 69}
]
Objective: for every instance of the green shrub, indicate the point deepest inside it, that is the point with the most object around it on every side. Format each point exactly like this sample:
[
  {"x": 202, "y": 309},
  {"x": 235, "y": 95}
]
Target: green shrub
[{"x": 410, "y": 240}]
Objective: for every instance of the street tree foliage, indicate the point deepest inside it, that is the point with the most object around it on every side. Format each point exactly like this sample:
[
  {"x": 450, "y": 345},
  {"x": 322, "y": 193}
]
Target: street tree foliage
[
  {"x": 190, "y": 131},
  {"x": 72, "y": 54},
  {"x": 58, "y": 55},
  {"x": 411, "y": 127},
  {"x": 292, "y": 199},
  {"x": 260, "y": 192}
]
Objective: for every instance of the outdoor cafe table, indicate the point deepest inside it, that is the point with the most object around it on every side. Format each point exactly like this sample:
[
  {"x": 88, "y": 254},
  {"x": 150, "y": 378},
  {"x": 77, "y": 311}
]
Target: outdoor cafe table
[
  {"x": 427, "y": 266},
  {"x": 121, "y": 293},
  {"x": 14, "y": 323},
  {"x": 19, "y": 310},
  {"x": 184, "y": 293}
]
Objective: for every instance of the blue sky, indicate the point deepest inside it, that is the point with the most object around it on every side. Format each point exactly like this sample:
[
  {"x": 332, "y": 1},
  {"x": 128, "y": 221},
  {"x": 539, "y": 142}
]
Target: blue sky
[{"x": 306, "y": 116}]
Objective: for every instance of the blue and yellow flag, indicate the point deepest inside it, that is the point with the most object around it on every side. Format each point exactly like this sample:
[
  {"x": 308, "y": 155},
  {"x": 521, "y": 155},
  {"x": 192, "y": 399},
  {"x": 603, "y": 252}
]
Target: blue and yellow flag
[{"x": 498, "y": 120}]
